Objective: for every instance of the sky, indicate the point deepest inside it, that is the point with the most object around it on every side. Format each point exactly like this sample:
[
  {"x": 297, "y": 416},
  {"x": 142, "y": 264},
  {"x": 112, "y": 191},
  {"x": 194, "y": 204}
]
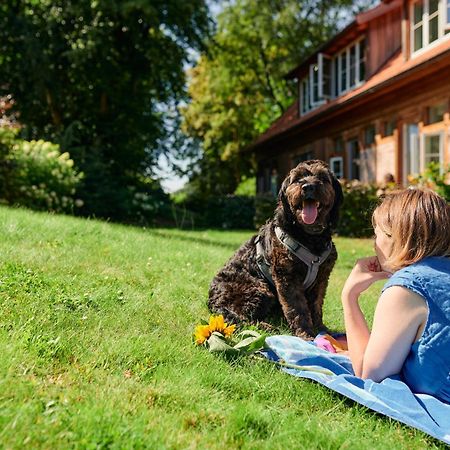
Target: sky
[{"x": 170, "y": 181}]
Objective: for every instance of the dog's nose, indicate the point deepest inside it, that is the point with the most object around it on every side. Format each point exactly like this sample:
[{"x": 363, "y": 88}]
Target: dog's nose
[{"x": 309, "y": 188}]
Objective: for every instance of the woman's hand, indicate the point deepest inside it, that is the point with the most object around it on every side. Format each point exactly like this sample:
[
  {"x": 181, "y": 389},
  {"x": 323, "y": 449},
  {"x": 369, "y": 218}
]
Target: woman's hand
[{"x": 365, "y": 272}]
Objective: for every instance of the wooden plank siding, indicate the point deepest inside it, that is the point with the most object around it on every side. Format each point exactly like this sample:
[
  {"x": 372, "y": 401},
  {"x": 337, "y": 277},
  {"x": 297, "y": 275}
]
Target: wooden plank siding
[{"x": 398, "y": 89}]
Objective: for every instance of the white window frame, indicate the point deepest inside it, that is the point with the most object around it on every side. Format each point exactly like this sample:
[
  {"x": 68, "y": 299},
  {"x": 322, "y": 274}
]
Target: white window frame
[
  {"x": 441, "y": 135},
  {"x": 307, "y": 104},
  {"x": 321, "y": 58},
  {"x": 425, "y": 22},
  {"x": 340, "y": 161},
  {"x": 343, "y": 57}
]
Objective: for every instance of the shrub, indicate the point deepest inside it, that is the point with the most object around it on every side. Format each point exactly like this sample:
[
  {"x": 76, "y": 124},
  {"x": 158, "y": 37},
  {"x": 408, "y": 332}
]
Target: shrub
[
  {"x": 434, "y": 178},
  {"x": 265, "y": 205},
  {"x": 360, "y": 200},
  {"x": 226, "y": 212},
  {"x": 36, "y": 174}
]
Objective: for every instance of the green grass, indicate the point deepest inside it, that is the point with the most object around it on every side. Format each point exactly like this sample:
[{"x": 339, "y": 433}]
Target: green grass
[{"x": 96, "y": 325}]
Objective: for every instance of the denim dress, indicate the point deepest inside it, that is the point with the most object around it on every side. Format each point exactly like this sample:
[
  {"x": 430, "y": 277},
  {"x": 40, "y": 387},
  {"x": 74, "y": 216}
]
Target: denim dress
[{"x": 427, "y": 367}]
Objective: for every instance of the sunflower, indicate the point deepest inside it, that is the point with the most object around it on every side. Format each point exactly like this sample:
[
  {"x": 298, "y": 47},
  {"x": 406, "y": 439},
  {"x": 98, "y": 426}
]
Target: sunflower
[{"x": 216, "y": 323}]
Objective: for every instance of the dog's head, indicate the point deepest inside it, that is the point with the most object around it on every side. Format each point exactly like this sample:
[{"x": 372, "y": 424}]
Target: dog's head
[{"x": 311, "y": 196}]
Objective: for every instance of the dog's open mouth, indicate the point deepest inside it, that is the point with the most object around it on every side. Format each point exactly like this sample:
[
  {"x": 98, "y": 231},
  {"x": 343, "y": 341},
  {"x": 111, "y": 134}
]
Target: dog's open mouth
[{"x": 310, "y": 209}]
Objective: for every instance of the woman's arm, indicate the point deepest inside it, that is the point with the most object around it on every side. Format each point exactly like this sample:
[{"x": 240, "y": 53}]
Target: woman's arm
[{"x": 399, "y": 315}]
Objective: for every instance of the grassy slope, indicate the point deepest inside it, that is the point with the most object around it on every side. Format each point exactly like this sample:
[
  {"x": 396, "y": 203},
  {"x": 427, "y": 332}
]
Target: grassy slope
[{"x": 95, "y": 337}]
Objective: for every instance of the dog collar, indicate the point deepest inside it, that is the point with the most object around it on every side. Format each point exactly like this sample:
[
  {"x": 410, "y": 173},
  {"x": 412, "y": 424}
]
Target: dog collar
[{"x": 312, "y": 261}]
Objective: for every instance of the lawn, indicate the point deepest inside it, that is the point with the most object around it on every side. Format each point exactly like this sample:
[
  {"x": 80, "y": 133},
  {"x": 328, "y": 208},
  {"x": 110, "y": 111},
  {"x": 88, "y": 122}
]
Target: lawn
[{"x": 96, "y": 343}]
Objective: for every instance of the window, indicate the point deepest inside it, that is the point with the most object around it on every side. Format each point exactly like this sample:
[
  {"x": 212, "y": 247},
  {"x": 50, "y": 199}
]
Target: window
[
  {"x": 305, "y": 104},
  {"x": 324, "y": 76},
  {"x": 349, "y": 68},
  {"x": 303, "y": 157},
  {"x": 338, "y": 145},
  {"x": 429, "y": 22},
  {"x": 337, "y": 166},
  {"x": 369, "y": 135},
  {"x": 447, "y": 18},
  {"x": 353, "y": 155},
  {"x": 436, "y": 113},
  {"x": 432, "y": 149},
  {"x": 389, "y": 127}
]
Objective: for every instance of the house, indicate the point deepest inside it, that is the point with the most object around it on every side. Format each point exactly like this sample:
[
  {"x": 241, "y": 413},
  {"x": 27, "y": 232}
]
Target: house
[{"x": 374, "y": 101}]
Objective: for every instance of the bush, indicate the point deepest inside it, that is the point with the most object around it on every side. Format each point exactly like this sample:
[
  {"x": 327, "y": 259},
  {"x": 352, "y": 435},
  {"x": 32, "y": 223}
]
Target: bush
[
  {"x": 226, "y": 212},
  {"x": 435, "y": 178},
  {"x": 360, "y": 199},
  {"x": 265, "y": 205},
  {"x": 36, "y": 174}
]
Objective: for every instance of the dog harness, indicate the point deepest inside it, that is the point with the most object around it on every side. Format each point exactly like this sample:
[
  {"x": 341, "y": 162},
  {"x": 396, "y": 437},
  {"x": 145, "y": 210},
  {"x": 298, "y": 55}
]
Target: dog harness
[{"x": 312, "y": 261}]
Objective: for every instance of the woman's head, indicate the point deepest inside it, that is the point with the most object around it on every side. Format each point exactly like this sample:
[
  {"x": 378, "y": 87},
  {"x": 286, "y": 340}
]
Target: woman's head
[{"x": 410, "y": 225}]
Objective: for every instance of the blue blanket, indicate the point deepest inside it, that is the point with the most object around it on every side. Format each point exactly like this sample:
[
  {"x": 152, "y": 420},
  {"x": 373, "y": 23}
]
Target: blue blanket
[{"x": 392, "y": 397}]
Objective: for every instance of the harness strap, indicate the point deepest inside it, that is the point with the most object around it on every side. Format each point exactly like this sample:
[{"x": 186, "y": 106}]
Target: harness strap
[
  {"x": 261, "y": 260},
  {"x": 312, "y": 261}
]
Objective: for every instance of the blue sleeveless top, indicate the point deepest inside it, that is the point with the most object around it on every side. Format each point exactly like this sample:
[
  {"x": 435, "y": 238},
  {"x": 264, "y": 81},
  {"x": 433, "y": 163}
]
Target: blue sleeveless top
[{"x": 427, "y": 367}]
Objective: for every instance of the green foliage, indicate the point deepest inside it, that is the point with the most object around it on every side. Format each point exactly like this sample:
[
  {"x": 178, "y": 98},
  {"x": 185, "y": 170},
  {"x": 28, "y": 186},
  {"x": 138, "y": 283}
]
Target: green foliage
[
  {"x": 265, "y": 205},
  {"x": 96, "y": 329},
  {"x": 238, "y": 87},
  {"x": 435, "y": 177},
  {"x": 360, "y": 199},
  {"x": 36, "y": 174},
  {"x": 224, "y": 212},
  {"x": 246, "y": 187},
  {"x": 101, "y": 78}
]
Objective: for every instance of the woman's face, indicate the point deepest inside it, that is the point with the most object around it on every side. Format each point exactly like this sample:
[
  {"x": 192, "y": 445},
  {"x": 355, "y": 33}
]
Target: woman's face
[{"x": 383, "y": 247}]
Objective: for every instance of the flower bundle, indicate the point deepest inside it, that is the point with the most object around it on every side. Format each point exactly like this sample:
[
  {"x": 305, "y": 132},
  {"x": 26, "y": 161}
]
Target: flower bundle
[{"x": 218, "y": 336}]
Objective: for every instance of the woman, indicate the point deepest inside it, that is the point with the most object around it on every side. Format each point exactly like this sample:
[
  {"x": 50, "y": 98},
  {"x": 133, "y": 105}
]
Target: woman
[{"x": 411, "y": 326}]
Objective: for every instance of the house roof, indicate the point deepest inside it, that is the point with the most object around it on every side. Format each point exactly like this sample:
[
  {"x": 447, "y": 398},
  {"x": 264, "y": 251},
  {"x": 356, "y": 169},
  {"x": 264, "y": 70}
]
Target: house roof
[
  {"x": 394, "y": 70},
  {"x": 346, "y": 36}
]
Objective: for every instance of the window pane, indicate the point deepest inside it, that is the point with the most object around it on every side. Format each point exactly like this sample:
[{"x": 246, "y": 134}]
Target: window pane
[
  {"x": 369, "y": 135},
  {"x": 326, "y": 77},
  {"x": 418, "y": 12},
  {"x": 433, "y": 33},
  {"x": 432, "y": 146},
  {"x": 336, "y": 76},
  {"x": 343, "y": 59},
  {"x": 434, "y": 5},
  {"x": 362, "y": 59},
  {"x": 436, "y": 113},
  {"x": 352, "y": 66},
  {"x": 418, "y": 43}
]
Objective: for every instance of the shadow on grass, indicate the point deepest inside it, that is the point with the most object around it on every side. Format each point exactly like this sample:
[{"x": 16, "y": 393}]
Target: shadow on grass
[{"x": 197, "y": 240}]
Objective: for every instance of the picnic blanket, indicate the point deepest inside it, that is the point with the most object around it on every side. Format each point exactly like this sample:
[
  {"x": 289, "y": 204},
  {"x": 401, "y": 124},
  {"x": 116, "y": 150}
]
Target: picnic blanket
[{"x": 392, "y": 397}]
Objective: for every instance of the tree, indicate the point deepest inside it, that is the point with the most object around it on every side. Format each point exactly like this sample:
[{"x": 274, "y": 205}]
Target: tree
[
  {"x": 238, "y": 89},
  {"x": 95, "y": 76}
]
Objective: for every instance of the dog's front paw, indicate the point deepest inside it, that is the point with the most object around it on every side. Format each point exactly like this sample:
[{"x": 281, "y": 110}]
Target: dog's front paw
[{"x": 304, "y": 335}]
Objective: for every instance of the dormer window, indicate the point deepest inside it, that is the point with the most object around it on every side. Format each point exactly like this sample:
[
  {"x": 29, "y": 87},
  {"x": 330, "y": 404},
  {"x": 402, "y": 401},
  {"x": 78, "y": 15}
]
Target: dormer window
[
  {"x": 430, "y": 21},
  {"x": 447, "y": 21},
  {"x": 349, "y": 68},
  {"x": 330, "y": 77}
]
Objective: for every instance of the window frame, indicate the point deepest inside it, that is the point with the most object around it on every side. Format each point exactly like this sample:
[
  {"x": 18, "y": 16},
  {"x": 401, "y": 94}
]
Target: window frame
[
  {"x": 340, "y": 160},
  {"x": 442, "y": 13},
  {"x": 343, "y": 59},
  {"x": 422, "y": 150}
]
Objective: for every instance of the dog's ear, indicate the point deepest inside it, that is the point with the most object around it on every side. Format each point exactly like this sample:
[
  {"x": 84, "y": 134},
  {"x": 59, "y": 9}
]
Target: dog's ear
[
  {"x": 282, "y": 193},
  {"x": 338, "y": 200}
]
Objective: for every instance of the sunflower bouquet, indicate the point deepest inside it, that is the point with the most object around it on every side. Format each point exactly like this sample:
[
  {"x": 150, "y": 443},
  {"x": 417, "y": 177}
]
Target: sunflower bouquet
[{"x": 218, "y": 336}]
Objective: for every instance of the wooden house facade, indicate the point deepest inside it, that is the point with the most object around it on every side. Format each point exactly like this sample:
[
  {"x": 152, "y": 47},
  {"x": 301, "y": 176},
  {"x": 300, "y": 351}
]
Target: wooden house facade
[{"x": 373, "y": 101}]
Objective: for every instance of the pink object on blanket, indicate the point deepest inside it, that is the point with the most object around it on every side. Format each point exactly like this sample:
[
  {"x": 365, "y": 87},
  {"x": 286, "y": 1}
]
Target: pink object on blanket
[
  {"x": 333, "y": 344},
  {"x": 322, "y": 342}
]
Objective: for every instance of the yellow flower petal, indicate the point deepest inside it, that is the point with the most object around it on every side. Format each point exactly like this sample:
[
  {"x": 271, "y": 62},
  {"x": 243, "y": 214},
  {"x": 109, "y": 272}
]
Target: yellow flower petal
[
  {"x": 202, "y": 332},
  {"x": 229, "y": 330},
  {"x": 216, "y": 323}
]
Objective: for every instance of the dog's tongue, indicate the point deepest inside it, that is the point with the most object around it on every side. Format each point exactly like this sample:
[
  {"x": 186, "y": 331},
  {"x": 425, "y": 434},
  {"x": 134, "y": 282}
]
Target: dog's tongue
[{"x": 309, "y": 212}]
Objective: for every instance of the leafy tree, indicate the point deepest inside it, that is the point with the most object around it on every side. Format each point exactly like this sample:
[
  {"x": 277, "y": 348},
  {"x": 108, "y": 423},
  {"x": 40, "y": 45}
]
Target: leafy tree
[
  {"x": 97, "y": 76},
  {"x": 238, "y": 88}
]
